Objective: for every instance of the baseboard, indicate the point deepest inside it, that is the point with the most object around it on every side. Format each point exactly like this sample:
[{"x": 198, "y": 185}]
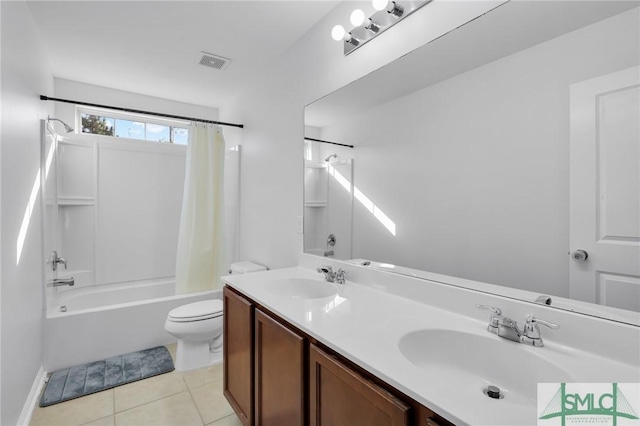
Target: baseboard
[{"x": 32, "y": 399}]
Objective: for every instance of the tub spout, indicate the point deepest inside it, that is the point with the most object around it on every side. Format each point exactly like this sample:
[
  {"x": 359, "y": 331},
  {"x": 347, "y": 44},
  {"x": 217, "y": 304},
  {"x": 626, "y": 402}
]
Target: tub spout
[{"x": 59, "y": 282}]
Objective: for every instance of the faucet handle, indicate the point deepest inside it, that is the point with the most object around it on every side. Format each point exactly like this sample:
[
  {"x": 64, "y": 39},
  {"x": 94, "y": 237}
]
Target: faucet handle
[
  {"x": 326, "y": 268},
  {"x": 495, "y": 314},
  {"x": 340, "y": 273},
  {"x": 531, "y": 329}
]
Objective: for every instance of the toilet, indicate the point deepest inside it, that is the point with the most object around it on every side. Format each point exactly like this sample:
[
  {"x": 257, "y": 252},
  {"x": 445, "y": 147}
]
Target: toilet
[{"x": 198, "y": 327}]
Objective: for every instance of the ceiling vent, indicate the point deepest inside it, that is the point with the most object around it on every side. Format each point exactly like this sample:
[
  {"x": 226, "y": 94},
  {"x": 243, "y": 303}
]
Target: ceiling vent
[{"x": 213, "y": 61}]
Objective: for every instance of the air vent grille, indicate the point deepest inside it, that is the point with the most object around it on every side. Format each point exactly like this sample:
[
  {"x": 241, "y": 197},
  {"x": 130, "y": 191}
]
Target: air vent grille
[{"x": 213, "y": 61}]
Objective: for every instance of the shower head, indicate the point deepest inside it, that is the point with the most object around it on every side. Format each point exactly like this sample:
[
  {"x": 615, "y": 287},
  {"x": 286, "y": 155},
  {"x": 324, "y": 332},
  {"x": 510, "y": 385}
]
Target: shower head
[
  {"x": 67, "y": 128},
  {"x": 329, "y": 157}
]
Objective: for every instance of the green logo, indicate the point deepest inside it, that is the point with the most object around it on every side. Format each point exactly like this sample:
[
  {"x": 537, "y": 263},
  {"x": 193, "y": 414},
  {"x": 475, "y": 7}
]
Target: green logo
[{"x": 589, "y": 405}]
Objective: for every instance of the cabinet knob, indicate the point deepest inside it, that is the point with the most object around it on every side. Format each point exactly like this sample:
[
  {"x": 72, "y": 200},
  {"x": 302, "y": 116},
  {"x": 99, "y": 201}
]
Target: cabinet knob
[{"x": 432, "y": 422}]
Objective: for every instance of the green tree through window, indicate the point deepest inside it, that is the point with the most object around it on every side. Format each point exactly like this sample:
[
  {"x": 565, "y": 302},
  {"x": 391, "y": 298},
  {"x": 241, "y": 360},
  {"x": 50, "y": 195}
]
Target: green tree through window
[{"x": 97, "y": 125}]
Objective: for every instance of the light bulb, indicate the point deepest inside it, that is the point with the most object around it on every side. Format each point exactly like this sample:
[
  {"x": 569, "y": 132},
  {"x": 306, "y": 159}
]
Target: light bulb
[
  {"x": 337, "y": 32},
  {"x": 357, "y": 17},
  {"x": 380, "y": 4}
]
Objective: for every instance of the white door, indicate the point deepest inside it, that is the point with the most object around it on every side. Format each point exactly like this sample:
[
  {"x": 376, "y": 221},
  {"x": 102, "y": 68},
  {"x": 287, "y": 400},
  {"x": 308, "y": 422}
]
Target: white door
[{"x": 605, "y": 190}]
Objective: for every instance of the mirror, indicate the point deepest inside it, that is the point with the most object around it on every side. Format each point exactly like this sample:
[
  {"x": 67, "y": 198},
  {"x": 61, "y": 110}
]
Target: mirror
[{"x": 496, "y": 153}]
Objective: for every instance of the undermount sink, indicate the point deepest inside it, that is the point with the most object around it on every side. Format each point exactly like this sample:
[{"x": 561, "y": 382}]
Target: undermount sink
[
  {"x": 475, "y": 361},
  {"x": 301, "y": 288}
]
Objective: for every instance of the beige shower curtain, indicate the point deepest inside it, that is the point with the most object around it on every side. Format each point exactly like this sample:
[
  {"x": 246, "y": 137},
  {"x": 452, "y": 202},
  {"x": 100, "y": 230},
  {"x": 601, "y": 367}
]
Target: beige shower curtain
[{"x": 201, "y": 259}]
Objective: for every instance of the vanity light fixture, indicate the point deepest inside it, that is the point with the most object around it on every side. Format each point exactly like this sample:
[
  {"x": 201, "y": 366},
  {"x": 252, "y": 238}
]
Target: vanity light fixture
[
  {"x": 338, "y": 33},
  {"x": 391, "y": 7},
  {"x": 372, "y": 26},
  {"x": 350, "y": 39},
  {"x": 387, "y": 13}
]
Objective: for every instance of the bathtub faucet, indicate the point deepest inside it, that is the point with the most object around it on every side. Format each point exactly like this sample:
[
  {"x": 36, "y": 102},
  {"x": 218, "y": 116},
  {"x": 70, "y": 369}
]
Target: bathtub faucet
[
  {"x": 55, "y": 260},
  {"x": 59, "y": 282}
]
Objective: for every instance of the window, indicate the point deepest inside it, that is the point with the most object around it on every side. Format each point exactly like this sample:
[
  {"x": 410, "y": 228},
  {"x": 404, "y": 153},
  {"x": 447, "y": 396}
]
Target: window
[{"x": 133, "y": 126}]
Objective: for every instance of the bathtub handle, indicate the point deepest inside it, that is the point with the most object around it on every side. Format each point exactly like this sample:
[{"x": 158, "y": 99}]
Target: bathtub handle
[{"x": 59, "y": 282}]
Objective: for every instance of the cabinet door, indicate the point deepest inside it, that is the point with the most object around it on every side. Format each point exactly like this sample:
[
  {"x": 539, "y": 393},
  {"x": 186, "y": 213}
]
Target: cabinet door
[
  {"x": 339, "y": 396},
  {"x": 279, "y": 374},
  {"x": 238, "y": 355}
]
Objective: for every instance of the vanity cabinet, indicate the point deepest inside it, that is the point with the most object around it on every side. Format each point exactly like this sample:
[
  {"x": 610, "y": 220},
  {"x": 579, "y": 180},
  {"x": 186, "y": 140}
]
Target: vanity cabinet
[{"x": 275, "y": 374}]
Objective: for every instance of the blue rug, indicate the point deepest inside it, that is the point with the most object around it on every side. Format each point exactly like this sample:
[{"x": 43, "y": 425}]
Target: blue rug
[{"x": 81, "y": 380}]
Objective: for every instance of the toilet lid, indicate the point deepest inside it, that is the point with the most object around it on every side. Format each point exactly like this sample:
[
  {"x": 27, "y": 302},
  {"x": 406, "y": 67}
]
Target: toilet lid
[{"x": 197, "y": 311}]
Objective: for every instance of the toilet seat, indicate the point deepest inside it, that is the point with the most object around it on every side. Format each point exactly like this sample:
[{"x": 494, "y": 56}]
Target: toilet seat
[{"x": 198, "y": 311}]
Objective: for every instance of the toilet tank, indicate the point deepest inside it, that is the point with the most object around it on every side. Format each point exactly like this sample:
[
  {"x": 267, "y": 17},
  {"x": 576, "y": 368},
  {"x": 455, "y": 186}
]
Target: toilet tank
[{"x": 245, "y": 267}]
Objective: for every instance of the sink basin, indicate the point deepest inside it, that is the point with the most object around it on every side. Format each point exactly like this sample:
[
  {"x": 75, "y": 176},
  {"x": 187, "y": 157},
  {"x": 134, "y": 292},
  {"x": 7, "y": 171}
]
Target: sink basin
[
  {"x": 301, "y": 288},
  {"x": 474, "y": 361}
]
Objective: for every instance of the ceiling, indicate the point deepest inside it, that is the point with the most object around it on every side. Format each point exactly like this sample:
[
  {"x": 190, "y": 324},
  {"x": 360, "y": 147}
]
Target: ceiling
[{"x": 153, "y": 47}]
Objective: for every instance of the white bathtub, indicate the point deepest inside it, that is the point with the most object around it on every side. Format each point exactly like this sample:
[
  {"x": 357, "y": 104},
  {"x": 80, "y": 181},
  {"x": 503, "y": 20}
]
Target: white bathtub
[{"x": 108, "y": 320}]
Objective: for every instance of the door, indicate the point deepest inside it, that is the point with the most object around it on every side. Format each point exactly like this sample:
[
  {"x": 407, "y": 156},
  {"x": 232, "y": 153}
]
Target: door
[
  {"x": 279, "y": 374},
  {"x": 238, "y": 355},
  {"x": 340, "y": 396},
  {"x": 605, "y": 190}
]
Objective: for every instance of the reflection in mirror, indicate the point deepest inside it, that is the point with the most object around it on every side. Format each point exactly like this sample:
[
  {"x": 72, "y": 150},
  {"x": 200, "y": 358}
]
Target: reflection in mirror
[
  {"x": 328, "y": 202},
  {"x": 495, "y": 152}
]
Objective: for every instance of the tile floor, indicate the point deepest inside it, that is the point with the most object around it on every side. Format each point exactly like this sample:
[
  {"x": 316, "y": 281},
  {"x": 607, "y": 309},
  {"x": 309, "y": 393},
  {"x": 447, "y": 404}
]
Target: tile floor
[{"x": 172, "y": 399}]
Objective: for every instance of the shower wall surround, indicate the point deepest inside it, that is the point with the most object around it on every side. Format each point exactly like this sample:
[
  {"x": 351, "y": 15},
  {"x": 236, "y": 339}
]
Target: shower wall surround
[
  {"x": 120, "y": 200},
  {"x": 328, "y": 203},
  {"x": 118, "y": 208}
]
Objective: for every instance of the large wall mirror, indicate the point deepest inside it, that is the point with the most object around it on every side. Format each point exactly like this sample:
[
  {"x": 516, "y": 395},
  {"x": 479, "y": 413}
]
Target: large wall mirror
[{"x": 505, "y": 152}]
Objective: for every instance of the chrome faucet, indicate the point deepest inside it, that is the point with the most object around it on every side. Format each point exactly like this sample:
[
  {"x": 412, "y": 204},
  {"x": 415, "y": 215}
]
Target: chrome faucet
[
  {"x": 333, "y": 276},
  {"x": 59, "y": 282},
  {"x": 55, "y": 260},
  {"x": 507, "y": 328}
]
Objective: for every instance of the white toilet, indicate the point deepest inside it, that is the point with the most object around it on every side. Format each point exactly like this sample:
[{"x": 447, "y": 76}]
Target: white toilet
[{"x": 198, "y": 327}]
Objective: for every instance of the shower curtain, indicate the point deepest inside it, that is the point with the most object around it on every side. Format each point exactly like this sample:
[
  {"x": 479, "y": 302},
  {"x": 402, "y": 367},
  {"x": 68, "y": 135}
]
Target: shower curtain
[{"x": 201, "y": 259}]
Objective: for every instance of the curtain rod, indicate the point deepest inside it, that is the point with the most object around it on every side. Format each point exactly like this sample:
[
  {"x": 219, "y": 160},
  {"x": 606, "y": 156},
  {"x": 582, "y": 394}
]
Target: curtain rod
[
  {"x": 332, "y": 143},
  {"x": 137, "y": 111}
]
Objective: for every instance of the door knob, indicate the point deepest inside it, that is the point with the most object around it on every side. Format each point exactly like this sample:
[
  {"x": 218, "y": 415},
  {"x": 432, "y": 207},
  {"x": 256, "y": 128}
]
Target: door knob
[{"x": 579, "y": 255}]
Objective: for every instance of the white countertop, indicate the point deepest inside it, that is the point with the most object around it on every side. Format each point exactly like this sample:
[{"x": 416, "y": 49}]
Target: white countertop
[{"x": 365, "y": 324}]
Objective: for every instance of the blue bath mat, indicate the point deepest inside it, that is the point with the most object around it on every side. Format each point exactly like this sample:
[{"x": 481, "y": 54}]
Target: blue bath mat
[{"x": 85, "y": 379}]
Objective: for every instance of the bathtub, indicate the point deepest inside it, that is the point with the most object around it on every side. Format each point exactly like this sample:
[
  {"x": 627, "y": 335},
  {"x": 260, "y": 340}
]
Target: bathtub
[{"x": 96, "y": 322}]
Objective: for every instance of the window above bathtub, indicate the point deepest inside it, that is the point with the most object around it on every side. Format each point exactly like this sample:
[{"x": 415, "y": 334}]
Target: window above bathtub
[{"x": 117, "y": 124}]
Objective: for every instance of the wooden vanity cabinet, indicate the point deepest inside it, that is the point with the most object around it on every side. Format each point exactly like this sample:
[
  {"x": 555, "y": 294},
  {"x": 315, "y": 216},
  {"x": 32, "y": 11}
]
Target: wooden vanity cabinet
[
  {"x": 340, "y": 396},
  {"x": 238, "y": 354},
  {"x": 275, "y": 375}
]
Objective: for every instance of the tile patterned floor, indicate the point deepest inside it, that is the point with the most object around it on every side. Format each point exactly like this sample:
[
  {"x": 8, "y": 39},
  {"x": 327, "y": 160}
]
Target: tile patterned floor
[{"x": 191, "y": 398}]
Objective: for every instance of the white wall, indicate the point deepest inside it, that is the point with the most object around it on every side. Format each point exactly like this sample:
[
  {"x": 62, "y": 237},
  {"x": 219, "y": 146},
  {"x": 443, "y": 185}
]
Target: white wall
[
  {"x": 477, "y": 176},
  {"x": 25, "y": 75},
  {"x": 272, "y": 111}
]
